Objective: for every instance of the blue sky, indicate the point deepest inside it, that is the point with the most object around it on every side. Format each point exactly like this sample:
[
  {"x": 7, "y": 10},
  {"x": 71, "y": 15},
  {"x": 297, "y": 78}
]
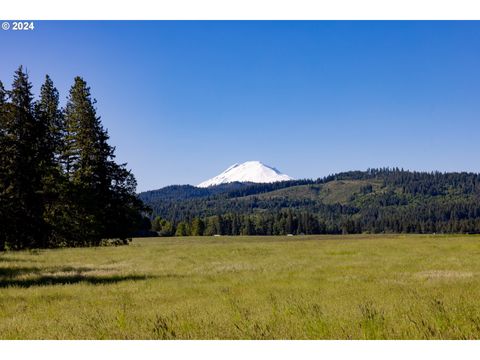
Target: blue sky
[{"x": 182, "y": 101}]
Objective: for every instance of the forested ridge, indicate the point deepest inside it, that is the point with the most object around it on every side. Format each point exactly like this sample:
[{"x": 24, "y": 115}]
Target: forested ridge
[
  {"x": 373, "y": 201},
  {"x": 59, "y": 182}
]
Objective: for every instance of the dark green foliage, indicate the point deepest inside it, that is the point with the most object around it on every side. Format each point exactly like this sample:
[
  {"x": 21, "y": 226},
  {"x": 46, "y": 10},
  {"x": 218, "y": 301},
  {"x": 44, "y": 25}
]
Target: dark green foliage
[
  {"x": 213, "y": 226},
  {"x": 85, "y": 156},
  {"x": 181, "y": 192},
  {"x": 377, "y": 200},
  {"x": 20, "y": 178},
  {"x": 198, "y": 227},
  {"x": 102, "y": 192},
  {"x": 59, "y": 183},
  {"x": 54, "y": 182}
]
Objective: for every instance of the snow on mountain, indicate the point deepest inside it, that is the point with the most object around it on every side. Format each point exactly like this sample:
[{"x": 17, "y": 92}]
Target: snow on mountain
[{"x": 250, "y": 171}]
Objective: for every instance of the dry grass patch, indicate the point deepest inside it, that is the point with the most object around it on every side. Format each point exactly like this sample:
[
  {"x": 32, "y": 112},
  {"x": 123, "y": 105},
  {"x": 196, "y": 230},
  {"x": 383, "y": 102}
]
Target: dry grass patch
[{"x": 444, "y": 274}]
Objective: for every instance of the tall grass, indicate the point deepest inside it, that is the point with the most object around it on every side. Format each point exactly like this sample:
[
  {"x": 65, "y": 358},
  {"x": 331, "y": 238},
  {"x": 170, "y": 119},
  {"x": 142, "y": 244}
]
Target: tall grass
[{"x": 309, "y": 287}]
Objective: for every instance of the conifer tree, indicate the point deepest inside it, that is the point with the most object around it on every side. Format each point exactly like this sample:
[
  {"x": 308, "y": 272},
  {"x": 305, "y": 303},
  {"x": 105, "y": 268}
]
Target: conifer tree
[
  {"x": 80, "y": 158},
  {"x": 20, "y": 174},
  {"x": 103, "y": 192},
  {"x": 54, "y": 186},
  {"x": 51, "y": 119}
]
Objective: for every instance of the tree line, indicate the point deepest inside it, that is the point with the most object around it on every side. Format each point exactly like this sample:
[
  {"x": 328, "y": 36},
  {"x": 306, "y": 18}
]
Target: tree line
[
  {"x": 59, "y": 182},
  {"x": 386, "y": 201},
  {"x": 283, "y": 223},
  {"x": 307, "y": 223}
]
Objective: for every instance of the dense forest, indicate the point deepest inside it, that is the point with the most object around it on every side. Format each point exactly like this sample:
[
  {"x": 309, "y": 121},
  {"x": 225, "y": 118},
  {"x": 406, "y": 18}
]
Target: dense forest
[
  {"x": 59, "y": 182},
  {"x": 373, "y": 201}
]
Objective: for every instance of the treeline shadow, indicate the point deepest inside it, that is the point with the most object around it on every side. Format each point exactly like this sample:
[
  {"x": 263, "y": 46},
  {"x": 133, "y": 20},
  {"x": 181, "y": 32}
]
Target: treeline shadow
[
  {"x": 13, "y": 277},
  {"x": 4, "y": 259}
]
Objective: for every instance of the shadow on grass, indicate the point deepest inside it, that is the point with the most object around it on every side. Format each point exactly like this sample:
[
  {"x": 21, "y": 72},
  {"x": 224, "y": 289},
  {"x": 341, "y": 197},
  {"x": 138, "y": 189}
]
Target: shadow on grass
[
  {"x": 4, "y": 259},
  {"x": 9, "y": 272},
  {"x": 31, "y": 276},
  {"x": 68, "y": 280}
]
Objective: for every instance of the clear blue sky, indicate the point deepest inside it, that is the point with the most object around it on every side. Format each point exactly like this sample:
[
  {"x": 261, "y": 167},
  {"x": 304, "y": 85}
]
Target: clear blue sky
[{"x": 184, "y": 100}]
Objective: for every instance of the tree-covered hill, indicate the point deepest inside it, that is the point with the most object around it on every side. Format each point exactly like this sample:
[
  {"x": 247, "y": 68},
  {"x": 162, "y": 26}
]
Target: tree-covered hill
[{"x": 376, "y": 200}]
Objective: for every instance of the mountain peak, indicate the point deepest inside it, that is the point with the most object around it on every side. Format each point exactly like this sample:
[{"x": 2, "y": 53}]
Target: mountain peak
[{"x": 249, "y": 171}]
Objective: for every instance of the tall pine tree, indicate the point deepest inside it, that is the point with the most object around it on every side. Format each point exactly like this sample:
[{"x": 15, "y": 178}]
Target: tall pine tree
[
  {"x": 103, "y": 192},
  {"x": 54, "y": 185},
  {"x": 20, "y": 174}
]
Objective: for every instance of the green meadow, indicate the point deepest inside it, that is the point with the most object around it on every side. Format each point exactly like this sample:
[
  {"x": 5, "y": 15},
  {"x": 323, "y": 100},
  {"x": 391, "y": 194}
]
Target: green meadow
[{"x": 300, "y": 287}]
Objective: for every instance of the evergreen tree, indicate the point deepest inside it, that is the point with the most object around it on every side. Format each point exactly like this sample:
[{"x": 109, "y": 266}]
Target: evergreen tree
[
  {"x": 80, "y": 157},
  {"x": 54, "y": 185},
  {"x": 20, "y": 177},
  {"x": 103, "y": 195},
  {"x": 51, "y": 122}
]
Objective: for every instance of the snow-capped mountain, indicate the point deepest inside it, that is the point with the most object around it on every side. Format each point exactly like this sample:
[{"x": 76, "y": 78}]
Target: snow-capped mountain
[{"x": 250, "y": 171}]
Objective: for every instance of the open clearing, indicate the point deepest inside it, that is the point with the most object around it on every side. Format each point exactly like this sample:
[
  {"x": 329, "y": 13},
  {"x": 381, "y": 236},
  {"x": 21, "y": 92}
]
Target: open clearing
[{"x": 302, "y": 287}]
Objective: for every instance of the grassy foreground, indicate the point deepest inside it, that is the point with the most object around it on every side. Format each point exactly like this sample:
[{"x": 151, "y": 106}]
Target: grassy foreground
[{"x": 309, "y": 287}]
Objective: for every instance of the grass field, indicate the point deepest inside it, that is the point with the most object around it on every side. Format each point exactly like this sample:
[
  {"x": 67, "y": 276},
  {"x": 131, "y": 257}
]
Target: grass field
[{"x": 306, "y": 287}]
